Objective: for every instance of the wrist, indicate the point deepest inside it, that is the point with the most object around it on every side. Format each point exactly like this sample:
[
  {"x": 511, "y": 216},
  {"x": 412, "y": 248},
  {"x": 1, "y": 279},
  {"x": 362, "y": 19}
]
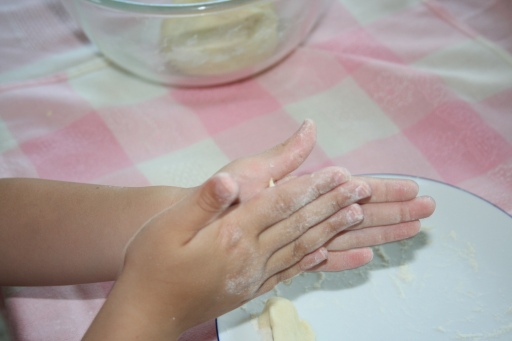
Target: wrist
[
  {"x": 135, "y": 311},
  {"x": 140, "y": 204}
]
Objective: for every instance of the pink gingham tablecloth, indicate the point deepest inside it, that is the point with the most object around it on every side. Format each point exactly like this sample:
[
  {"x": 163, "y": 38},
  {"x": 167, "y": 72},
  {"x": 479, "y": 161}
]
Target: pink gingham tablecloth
[{"x": 395, "y": 86}]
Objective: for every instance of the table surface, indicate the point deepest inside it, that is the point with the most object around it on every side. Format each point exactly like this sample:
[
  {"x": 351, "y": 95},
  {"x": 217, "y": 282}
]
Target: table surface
[{"x": 411, "y": 87}]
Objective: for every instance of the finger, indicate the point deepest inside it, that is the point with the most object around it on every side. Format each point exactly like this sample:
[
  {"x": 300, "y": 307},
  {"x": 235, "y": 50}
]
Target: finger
[
  {"x": 377, "y": 214},
  {"x": 373, "y": 236},
  {"x": 336, "y": 261},
  {"x": 313, "y": 259},
  {"x": 280, "y": 202},
  {"x": 314, "y": 238},
  {"x": 389, "y": 190},
  {"x": 205, "y": 204},
  {"x": 316, "y": 212},
  {"x": 345, "y": 260},
  {"x": 288, "y": 156},
  {"x": 281, "y": 276}
]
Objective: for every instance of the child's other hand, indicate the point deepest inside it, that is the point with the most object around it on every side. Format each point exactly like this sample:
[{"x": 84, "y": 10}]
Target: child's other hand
[{"x": 207, "y": 255}]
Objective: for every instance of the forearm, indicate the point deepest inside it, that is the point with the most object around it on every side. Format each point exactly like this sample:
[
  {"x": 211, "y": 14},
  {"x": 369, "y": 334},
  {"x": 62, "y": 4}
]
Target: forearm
[{"x": 55, "y": 233}]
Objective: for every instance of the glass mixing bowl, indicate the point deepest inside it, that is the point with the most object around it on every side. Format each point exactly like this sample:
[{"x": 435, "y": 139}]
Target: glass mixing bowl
[{"x": 196, "y": 42}]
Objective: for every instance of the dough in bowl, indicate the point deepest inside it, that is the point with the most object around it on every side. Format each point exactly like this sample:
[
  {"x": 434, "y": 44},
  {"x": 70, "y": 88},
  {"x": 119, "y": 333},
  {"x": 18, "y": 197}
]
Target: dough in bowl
[{"x": 216, "y": 43}]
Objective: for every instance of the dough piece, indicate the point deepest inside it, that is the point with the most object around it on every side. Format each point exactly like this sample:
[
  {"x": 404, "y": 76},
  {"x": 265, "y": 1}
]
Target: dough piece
[
  {"x": 280, "y": 317},
  {"x": 216, "y": 43}
]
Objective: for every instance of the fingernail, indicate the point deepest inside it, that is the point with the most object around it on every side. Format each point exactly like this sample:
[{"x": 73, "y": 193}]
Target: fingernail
[
  {"x": 362, "y": 191},
  {"x": 226, "y": 189},
  {"x": 306, "y": 122},
  {"x": 343, "y": 175},
  {"x": 354, "y": 214},
  {"x": 307, "y": 125},
  {"x": 314, "y": 258},
  {"x": 320, "y": 255},
  {"x": 330, "y": 177},
  {"x": 323, "y": 251}
]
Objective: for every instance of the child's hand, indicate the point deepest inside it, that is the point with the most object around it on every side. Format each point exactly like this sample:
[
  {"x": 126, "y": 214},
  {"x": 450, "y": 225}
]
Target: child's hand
[
  {"x": 391, "y": 213},
  {"x": 205, "y": 256}
]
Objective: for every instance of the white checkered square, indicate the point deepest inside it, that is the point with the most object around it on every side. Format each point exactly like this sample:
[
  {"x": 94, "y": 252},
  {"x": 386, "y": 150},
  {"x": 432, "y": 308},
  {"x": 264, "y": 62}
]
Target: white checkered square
[
  {"x": 187, "y": 167},
  {"x": 346, "y": 118},
  {"x": 475, "y": 69}
]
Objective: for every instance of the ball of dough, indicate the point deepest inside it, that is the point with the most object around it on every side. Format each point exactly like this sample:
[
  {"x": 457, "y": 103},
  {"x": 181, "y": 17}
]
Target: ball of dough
[
  {"x": 216, "y": 43},
  {"x": 280, "y": 317}
]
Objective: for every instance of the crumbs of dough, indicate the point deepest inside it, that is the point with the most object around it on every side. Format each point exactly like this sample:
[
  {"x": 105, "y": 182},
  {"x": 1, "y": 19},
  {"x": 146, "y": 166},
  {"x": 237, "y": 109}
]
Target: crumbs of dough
[
  {"x": 382, "y": 254},
  {"x": 405, "y": 274},
  {"x": 319, "y": 282},
  {"x": 453, "y": 235},
  {"x": 503, "y": 330},
  {"x": 469, "y": 255}
]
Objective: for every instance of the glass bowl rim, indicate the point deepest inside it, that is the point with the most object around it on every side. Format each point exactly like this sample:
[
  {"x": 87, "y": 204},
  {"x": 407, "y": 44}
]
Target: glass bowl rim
[{"x": 159, "y": 8}]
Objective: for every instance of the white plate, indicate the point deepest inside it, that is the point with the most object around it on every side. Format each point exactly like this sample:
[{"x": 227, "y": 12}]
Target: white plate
[{"x": 453, "y": 281}]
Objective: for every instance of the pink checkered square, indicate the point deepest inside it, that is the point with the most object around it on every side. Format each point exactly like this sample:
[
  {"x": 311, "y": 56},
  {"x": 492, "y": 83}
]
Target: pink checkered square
[
  {"x": 405, "y": 94},
  {"x": 54, "y": 313},
  {"x": 305, "y": 73},
  {"x": 387, "y": 155},
  {"x": 227, "y": 106},
  {"x": 495, "y": 185},
  {"x": 458, "y": 143},
  {"x": 81, "y": 151},
  {"x": 153, "y": 128},
  {"x": 358, "y": 47},
  {"x": 405, "y": 33},
  {"x": 31, "y": 112}
]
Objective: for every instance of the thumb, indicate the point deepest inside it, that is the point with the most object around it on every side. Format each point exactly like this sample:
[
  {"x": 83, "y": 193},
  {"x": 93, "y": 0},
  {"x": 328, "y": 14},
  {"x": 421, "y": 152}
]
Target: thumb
[
  {"x": 186, "y": 218},
  {"x": 215, "y": 195},
  {"x": 206, "y": 203}
]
